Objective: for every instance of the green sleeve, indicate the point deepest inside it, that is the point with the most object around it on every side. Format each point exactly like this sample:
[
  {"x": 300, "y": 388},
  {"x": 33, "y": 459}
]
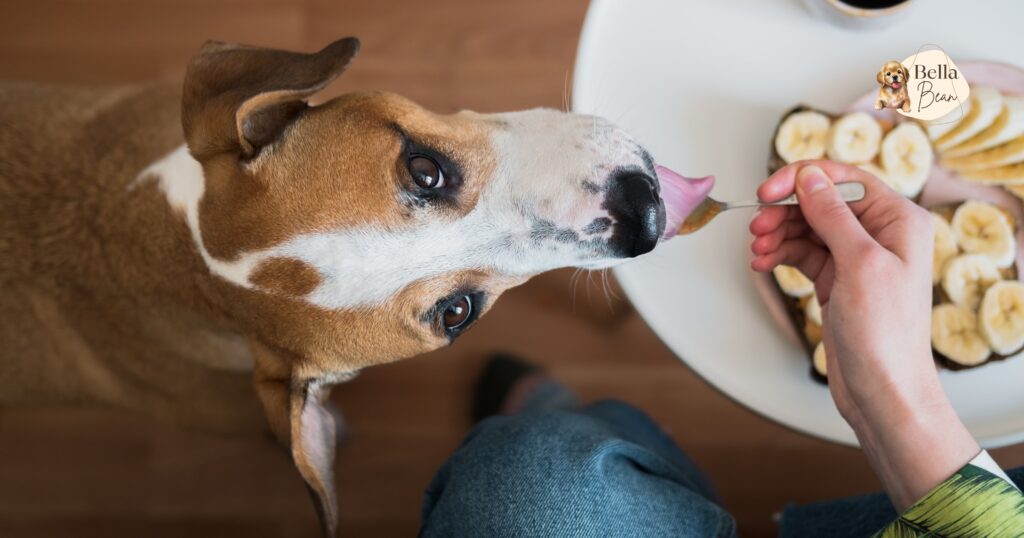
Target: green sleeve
[{"x": 972, "y": 502}]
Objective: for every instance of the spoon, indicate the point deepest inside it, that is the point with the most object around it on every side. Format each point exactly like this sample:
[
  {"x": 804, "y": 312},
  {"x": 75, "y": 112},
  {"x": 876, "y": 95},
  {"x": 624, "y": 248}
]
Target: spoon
[{"x": 850, "y": 191}]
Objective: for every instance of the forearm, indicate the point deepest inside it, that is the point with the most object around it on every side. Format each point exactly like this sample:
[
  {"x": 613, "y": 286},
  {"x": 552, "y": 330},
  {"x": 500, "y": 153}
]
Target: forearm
[{"x": 914, "y": 442}]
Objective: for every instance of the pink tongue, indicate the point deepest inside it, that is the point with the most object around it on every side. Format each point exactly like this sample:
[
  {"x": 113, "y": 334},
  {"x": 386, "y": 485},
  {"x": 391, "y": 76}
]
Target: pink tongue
[
  {"x": 895, "y": 85},
  {"x": 681, "y": 196}
]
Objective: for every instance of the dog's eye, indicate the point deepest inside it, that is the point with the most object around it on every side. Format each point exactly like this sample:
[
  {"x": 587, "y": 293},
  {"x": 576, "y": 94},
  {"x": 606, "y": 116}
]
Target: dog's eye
[
  {"x": 426, "y": 172},
  {"x": 888, "y": 73},
  {"x": 458, "y": 313}
]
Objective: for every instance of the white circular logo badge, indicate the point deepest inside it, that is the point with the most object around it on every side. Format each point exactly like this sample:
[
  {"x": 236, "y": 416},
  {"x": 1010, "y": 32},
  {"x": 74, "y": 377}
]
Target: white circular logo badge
[{"x": 929, "y": 87}]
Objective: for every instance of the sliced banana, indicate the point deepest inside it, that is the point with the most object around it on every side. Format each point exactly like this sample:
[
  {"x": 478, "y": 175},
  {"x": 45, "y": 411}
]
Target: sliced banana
[
  {"x": 1017, "y": 190},
  {"x": 945, "y": 247},
  {"x": 967, "y": 277},
  {"x": 1009, "y": 124},
  {"x": 986, "y": 105},
  {"x": 938, "y": 127},
  {"x": 1009, "y": 153},
  {"x": 907, "y": 158},
  {"x": 802, "y": 135},
  {"x": 792, "y": 281},
  {"x": 1001, "y": 317},
  {"x": 874, "y": 170},
  {"x": 854, "y": 138},
  {"x": 819, "y": 361},
  {"x": 981, "y": 228},
  {"x": 1011, "y": 174},
  {"x": 955, "y": 335},
  {"x": 813, "y": 310}
]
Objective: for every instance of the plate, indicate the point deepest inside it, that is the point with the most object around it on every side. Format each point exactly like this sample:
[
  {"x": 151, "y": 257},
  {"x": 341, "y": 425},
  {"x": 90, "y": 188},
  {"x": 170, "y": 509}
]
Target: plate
[{"x": 702, "y": 86}]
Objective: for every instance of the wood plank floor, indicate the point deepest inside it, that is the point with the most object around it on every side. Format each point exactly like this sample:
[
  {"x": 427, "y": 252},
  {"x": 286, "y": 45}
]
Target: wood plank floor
[{"x": 97, "y": 472}]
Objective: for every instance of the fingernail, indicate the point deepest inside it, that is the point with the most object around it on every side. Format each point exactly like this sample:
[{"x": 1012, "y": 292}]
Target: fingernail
[{"x": 812, "y": 179}]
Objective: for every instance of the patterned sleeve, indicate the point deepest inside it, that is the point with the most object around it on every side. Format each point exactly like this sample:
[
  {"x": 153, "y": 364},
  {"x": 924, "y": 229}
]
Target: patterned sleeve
[{"x": 972, "y": 502}]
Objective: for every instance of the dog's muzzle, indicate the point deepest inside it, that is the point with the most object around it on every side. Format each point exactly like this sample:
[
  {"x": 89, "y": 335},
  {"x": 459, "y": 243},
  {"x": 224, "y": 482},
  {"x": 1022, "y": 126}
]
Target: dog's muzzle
[{"x": 637, "y": 212}]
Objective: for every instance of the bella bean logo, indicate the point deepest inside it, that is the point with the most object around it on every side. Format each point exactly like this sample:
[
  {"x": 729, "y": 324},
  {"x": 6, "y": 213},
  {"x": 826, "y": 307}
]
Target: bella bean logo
[{"x": 925, "y": 86}]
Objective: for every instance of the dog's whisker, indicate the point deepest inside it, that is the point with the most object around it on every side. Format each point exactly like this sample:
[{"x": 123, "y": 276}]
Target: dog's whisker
[
  {"x": 590, "y": 282},
  {"x": 565, "y": 92},
  {"x": 574, "y": 280}
]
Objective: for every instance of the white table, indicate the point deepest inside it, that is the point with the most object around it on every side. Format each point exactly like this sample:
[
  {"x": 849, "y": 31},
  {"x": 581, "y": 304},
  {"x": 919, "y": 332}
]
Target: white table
[{"x": 702, "y": 84}]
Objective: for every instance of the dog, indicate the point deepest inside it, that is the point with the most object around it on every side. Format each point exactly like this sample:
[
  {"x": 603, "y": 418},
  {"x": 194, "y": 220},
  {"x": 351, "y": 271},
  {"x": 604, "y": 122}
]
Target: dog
[
  {"x": 221, "y": 253},
  {"x": 893, "y": 93}
]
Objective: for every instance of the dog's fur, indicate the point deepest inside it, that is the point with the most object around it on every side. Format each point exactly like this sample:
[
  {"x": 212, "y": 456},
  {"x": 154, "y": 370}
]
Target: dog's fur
[
  {"x": 285, "y": 247},
  {"x": 893, "y": 73}
]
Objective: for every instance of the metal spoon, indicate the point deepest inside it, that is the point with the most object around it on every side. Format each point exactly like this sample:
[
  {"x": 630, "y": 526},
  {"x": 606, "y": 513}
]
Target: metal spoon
[{"x": 851, "y": 191}]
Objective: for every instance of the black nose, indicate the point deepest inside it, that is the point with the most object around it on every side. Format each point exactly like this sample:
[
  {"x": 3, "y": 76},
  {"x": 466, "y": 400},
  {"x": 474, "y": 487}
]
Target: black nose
[{"x": 638, "y": 213}]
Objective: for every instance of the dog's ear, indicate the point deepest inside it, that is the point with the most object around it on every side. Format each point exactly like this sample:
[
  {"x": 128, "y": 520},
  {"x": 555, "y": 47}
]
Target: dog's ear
[
  {"x": 238, "y": 98},
  {"x": 880, "y": 77},
  {"x": 906, "y": 73},
  {"x": 294, "y": 406}
]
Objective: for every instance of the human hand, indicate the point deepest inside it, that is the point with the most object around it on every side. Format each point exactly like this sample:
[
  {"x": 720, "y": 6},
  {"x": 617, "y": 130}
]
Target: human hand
[{"x": 871, "y": 263}]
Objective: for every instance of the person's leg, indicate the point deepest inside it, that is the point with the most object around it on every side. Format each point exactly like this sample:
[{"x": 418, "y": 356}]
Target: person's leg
[
  {"x": 602, "y": 470},
  {"x": 853, "y": 517}
]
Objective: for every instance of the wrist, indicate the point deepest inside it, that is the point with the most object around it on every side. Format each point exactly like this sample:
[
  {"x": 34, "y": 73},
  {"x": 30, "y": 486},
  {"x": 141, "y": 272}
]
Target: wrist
[{"x": 915, "y": 443}]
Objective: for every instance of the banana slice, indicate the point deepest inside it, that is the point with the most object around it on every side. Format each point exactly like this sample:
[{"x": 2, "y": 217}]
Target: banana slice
[
  {"x": 945, "y": 247},
  {"x": 818, "y": 359},
  {"x": 813, "y": 310},
  {"x": 986, "y": 105},
  {"x": 981, "y": 228},
  {"x": 1009, "y": 153},
  {"x": 1001, "y": 317},
  {"x": 907, "y": 158},
  {"x": 1011, "y": 174},
  {"x": 1017, "y": 190},
  {"x": 1009, "y": 124},
  {"x": 792, "y": 281},
  {"x": 940, "y": 126},
  {"x": 967, "y": 277},
  {"x": 874, "y": 170},
  {"x": 955, "y": 335},
  {"x": 854, "y": 138},
  {"x": 802, "y": 135}
]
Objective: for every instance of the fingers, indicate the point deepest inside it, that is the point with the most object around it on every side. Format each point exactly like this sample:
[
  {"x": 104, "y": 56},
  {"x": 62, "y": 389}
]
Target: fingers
[
  {"x": 766, "y": 243},
  {"x": 783, "y": 183},
  {"x": 769, "y": 218},
  {"x": 828, "y": 215},
  {"x": 801, "y": 253}
]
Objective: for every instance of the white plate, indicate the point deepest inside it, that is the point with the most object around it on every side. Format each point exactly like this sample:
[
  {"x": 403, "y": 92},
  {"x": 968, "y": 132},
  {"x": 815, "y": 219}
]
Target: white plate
[{"x": 702, "y": 84}]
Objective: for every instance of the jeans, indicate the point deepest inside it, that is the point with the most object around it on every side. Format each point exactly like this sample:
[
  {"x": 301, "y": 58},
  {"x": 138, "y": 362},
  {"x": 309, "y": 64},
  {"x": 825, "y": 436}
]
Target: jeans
[{"x": 602, "y": 470}]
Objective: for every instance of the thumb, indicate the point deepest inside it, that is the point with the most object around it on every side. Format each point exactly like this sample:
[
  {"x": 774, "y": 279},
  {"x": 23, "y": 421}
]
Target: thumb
[{"x": 827, "y": 214}]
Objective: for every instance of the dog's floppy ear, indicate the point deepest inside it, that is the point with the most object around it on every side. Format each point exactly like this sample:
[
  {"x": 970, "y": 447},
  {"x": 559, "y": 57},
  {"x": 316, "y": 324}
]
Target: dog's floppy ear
[
  {"x": 879, "y": 77},
  {"x": 294, "y": 406},
  {"x": 906, "y": 73},
  {"x": 238, "y": 98}
]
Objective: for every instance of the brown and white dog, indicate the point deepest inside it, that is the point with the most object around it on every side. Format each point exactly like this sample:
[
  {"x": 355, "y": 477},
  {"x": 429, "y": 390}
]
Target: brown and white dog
[
  {"x": 163, "y": 249},
  {"x": 893, "y": 93}
]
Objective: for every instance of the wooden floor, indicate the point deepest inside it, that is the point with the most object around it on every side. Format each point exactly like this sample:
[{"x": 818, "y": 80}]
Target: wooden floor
[{"x": 94, "y": 472}]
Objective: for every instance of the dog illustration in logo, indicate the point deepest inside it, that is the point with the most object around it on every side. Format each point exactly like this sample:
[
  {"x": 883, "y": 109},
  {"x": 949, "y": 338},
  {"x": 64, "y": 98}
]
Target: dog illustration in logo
[{"x": 893, "y": 93}]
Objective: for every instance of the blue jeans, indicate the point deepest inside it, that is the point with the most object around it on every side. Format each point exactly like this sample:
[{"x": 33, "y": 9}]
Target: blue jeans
[{"x": 602, "y": 470}]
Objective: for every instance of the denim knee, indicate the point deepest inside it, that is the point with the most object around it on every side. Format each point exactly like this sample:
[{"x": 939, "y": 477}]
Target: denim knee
[{"x": 562, "y": 473}]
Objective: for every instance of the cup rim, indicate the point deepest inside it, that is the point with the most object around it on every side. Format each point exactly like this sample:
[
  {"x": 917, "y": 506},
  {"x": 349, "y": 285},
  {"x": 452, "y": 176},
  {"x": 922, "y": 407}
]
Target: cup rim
[{"x": 847, "y": 9}]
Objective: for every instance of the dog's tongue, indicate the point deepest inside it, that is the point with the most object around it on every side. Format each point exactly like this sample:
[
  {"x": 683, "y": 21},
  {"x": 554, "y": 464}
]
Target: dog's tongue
[
  {"x": 895, "y": 85},
  {"x": 681, "y": 196}
]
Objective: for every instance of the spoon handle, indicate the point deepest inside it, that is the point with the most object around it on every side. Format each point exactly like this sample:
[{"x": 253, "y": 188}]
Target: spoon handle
[{"x": 850, "y": 191}]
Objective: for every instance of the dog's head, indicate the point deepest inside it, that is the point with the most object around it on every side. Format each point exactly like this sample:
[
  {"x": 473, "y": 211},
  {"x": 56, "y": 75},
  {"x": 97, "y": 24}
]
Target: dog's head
[
  {"x": 893, "y": 74},
  {"x": 367, "y": 229}
]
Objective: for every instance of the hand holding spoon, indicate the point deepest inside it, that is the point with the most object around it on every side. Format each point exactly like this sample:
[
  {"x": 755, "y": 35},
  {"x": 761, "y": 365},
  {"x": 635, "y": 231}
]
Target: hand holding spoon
[{"x": 850, "y": 191}]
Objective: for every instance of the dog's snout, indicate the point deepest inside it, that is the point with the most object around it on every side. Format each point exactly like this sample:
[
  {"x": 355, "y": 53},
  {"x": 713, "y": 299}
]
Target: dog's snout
[{"x": 637, "y": 211}]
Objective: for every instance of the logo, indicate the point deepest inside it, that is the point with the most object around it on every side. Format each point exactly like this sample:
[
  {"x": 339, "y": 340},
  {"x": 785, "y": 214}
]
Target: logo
[{"x": 925, "y": 86}]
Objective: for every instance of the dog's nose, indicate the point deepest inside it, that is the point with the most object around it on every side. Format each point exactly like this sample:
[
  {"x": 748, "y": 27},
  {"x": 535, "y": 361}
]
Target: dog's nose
[{"x": 638, "y": 213}]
